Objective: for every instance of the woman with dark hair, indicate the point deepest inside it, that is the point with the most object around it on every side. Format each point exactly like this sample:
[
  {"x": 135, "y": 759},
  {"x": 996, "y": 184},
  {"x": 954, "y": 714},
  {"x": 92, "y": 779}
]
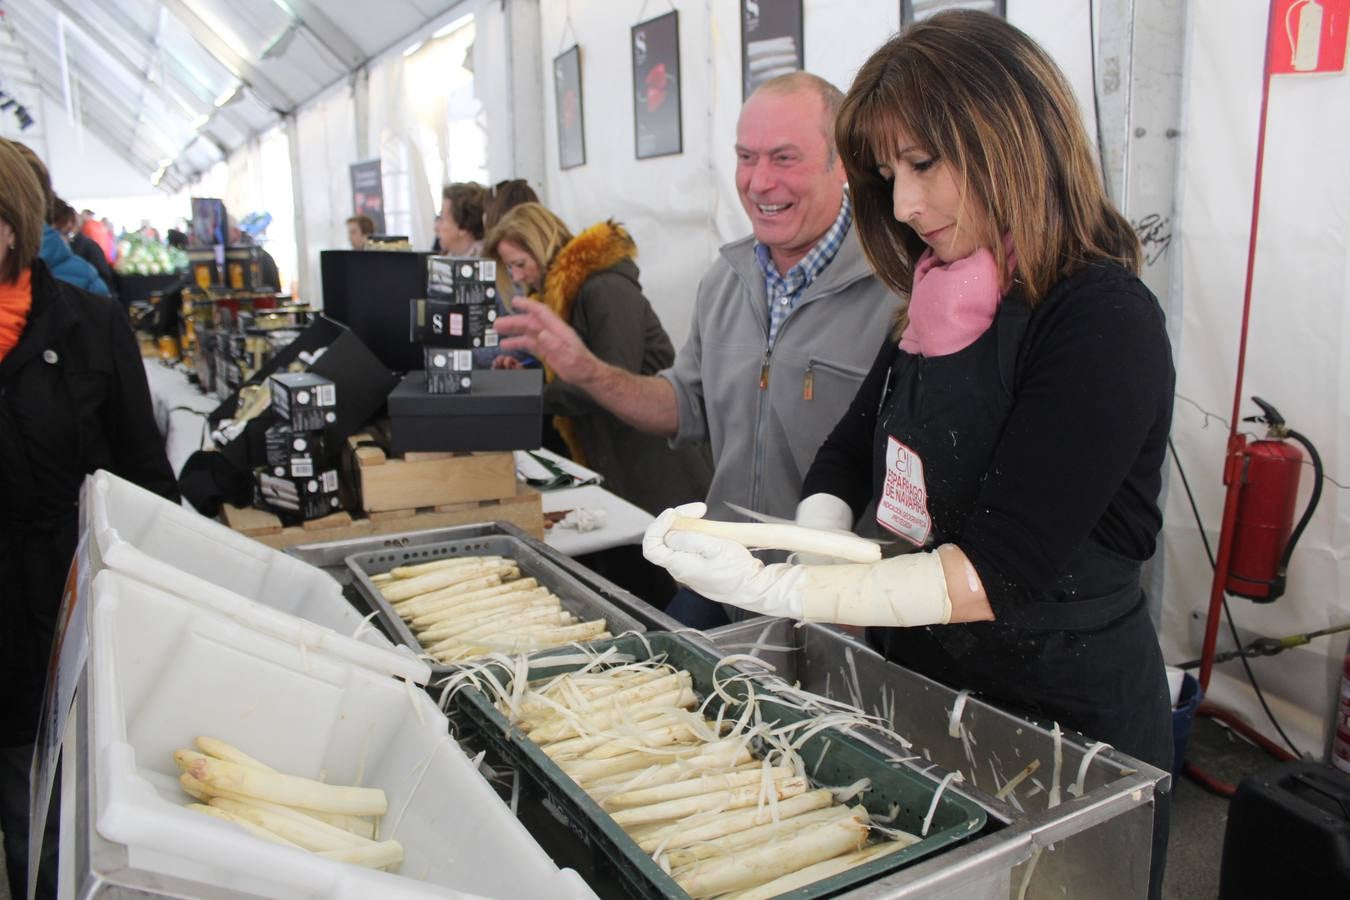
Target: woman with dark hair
[
  {"x": 1013, "y": 427},
  {"x": 505, "y": 196},
  {"x": 459, "y": 227},
  {"x": 73, "y": 399}
]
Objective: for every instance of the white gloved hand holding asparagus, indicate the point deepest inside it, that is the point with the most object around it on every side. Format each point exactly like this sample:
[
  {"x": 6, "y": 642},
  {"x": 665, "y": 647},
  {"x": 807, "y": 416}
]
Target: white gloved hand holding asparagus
[{"x": 712, "y": 559}]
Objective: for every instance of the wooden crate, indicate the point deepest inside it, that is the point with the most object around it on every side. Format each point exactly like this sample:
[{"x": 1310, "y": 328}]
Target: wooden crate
[
  {"x": 420, "y": 480},
  {"x": 523, "y": 510}
]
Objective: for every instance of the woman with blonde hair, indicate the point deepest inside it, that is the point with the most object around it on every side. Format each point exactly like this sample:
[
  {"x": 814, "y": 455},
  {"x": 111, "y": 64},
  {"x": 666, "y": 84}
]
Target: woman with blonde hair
[
  {"x": 591, "y": 282},
  {"x": 1012, "y": 429},
  {"x": 73, "y": 399}
]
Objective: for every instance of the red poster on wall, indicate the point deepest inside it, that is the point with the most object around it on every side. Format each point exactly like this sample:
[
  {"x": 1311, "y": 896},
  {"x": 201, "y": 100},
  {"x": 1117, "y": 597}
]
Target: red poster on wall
[{"x": 1308, "y": 36}]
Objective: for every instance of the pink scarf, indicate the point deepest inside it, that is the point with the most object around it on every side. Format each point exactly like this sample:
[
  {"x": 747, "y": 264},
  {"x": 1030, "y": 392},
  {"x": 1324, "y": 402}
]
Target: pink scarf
[{"x": 953, "y": 304}]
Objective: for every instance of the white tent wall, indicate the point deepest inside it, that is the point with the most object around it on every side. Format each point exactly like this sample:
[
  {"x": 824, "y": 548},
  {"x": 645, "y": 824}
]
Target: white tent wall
[
  {"x": 81, "y": 163},
  {"x": 1298, "y": 355},
  {"x": 681, "y": 208},
  {"x": 326, "y": 131}
]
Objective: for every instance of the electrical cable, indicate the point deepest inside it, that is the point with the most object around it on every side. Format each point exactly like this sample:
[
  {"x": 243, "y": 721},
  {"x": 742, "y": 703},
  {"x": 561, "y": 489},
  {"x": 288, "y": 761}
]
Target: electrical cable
[{"x": 1228, "y": 613}]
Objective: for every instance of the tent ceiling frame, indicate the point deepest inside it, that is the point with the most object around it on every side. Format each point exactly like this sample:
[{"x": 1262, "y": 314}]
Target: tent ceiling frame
[{"x": 243, "y": 69}]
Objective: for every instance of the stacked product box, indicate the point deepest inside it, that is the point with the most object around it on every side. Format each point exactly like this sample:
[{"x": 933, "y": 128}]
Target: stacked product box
[
  {"x": 293, "y": 481},
  {"x": 456, "y": 318}
]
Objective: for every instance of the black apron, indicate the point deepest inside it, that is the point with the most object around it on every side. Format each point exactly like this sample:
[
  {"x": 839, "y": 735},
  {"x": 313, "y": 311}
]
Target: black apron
[{"x": 1085, "y": 654}]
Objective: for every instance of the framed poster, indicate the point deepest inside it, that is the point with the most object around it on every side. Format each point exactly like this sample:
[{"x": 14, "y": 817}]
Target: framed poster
[
  {"x": 368, "y": 192},
  {"x": 567, "y": 104},
  {"x": 657, "y": 128},
  {"x": 771, "y": 41},
  {"x": 912, "y": 11}
]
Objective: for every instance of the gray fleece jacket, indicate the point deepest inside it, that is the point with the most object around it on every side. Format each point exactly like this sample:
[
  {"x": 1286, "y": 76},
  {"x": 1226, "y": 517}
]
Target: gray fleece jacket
[{"x": 764, "y": 439}]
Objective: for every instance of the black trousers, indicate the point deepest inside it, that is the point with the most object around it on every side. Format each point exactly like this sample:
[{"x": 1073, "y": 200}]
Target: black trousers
[{"x": 15, "y": 767}]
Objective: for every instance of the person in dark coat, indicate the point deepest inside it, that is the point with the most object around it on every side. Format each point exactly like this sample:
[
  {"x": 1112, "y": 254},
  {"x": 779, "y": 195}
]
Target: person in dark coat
[
  {"x": 73, "y": 399},
  {"x": 67, "y": 223},
  {"x": 591, "y": 282}
]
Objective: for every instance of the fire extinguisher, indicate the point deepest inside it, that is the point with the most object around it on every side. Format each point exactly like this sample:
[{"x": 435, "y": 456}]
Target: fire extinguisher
[{"x": 1263, "y": 532}]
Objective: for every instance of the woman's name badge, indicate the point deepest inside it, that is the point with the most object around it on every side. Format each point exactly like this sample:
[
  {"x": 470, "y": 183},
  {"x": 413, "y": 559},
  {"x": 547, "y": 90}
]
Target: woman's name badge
[{"x": 903, "y": 507}]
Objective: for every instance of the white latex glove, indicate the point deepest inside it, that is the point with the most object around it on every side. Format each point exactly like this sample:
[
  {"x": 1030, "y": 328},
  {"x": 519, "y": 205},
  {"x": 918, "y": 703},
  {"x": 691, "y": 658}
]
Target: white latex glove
[
  {"x": 825, "y": 512},
  {"x": 901, "y": 591}
]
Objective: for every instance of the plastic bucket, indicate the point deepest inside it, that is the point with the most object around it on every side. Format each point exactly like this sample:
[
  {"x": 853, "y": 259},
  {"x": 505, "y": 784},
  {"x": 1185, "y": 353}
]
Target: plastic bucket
[{"x": 1183, "y": 717}]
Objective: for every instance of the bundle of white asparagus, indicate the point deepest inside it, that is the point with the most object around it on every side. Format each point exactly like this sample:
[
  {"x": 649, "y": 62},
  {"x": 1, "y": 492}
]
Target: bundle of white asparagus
[
  {"x": 469, "y": 606},
  {"x": 688, "y": 788},
  {"x": 329, "y": 820}
]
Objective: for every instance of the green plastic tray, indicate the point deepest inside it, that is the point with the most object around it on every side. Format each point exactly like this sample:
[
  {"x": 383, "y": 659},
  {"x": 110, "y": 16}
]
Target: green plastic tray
[{"x": 847, "y": 760}]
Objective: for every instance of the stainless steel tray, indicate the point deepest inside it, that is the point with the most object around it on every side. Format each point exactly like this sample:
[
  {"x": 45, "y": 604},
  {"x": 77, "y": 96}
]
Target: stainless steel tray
[
  {"x": 331, "y": 556},
  {"x": 576, "y": 597},
  {"x": 1101, "y": 839}
]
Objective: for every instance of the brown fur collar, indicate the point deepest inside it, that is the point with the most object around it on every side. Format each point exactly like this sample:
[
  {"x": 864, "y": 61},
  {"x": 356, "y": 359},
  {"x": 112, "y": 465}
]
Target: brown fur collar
[{"x": 594, "y": 250}]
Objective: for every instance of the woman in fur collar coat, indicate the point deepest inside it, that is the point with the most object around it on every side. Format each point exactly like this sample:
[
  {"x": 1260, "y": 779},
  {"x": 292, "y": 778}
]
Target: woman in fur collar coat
[{"x": 591, "y": 282}]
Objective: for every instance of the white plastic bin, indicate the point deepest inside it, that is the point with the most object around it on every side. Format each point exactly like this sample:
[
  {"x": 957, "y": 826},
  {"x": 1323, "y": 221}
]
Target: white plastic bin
[
  {"x": 133, "y": 531},
  {"x": 163, "y": 671}
]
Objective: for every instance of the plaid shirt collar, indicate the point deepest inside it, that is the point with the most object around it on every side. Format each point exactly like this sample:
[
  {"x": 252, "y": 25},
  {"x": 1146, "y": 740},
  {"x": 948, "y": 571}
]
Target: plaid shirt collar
[{"x": 811, "y": 265}]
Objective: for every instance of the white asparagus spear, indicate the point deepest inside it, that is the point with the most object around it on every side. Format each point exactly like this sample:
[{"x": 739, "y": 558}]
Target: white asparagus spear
[
  {"x": 528, "y": 637},
  {"x": 641, "y": 721},
  {"x": 433, "y": 581},
  {"x": 489, "y": 607},
  {"x": 736, "y": 798},
  {"x": 382, "y": 578},
  {"x": 795, "y": 538},
  {"x": 457, "y": 611},
  {"x": 684, "y": 834},
  {"x": 295, "y": 827},
  {"x": 248, "y": 826},
  {"x": 427, "y": 602},
  {"x": 752, "y": 837},
  {"x": 221, "y": 750},
  {"x": 678, "y": 732},
  {"x": 601, "y": 719},
  {"x": 627, "y": 698},
  {"x": 580, "y": 692},
  {"x": 760, "y": 864},
  {"x": 821, "y": 870},
  {"x": 524, "y": 621},
  {"x": 701, "y": 784},
  {"x": 447, "y": 563},
  {"x": 451, "y": 603},
  {"x": 532, "y": 611},
  {"x": 729, "y": 752},
  {"x": 358, "y": 826},
  {"x": 288, "y": 790},
  {"x": 379, "y": 855}
]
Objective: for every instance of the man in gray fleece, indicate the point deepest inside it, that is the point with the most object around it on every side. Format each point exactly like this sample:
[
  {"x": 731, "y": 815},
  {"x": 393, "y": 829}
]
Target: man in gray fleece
[{"x": 786, "y": 322}]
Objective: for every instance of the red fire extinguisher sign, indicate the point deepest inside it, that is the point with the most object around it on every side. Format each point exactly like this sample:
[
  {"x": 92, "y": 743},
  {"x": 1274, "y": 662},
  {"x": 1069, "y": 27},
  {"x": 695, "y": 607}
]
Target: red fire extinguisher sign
[{"x": 1308, "y": 36}]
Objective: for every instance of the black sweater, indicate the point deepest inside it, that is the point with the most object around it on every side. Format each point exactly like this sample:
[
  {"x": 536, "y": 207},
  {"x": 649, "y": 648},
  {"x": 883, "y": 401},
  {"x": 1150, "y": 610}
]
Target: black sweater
[{"x": 1083, "y": 447}]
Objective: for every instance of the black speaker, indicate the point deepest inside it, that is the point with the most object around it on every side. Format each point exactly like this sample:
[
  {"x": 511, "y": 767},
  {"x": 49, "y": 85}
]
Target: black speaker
[{"x": 1288, "y": 835}]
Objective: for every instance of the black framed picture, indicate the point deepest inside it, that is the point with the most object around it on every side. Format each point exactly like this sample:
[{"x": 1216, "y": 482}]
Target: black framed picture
[
  {"x": 657, "y": 127},
  {"x": 771, "y": 41},
  {"x": 912, "y": 11},
  {"x": 568, "y": 105}
]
